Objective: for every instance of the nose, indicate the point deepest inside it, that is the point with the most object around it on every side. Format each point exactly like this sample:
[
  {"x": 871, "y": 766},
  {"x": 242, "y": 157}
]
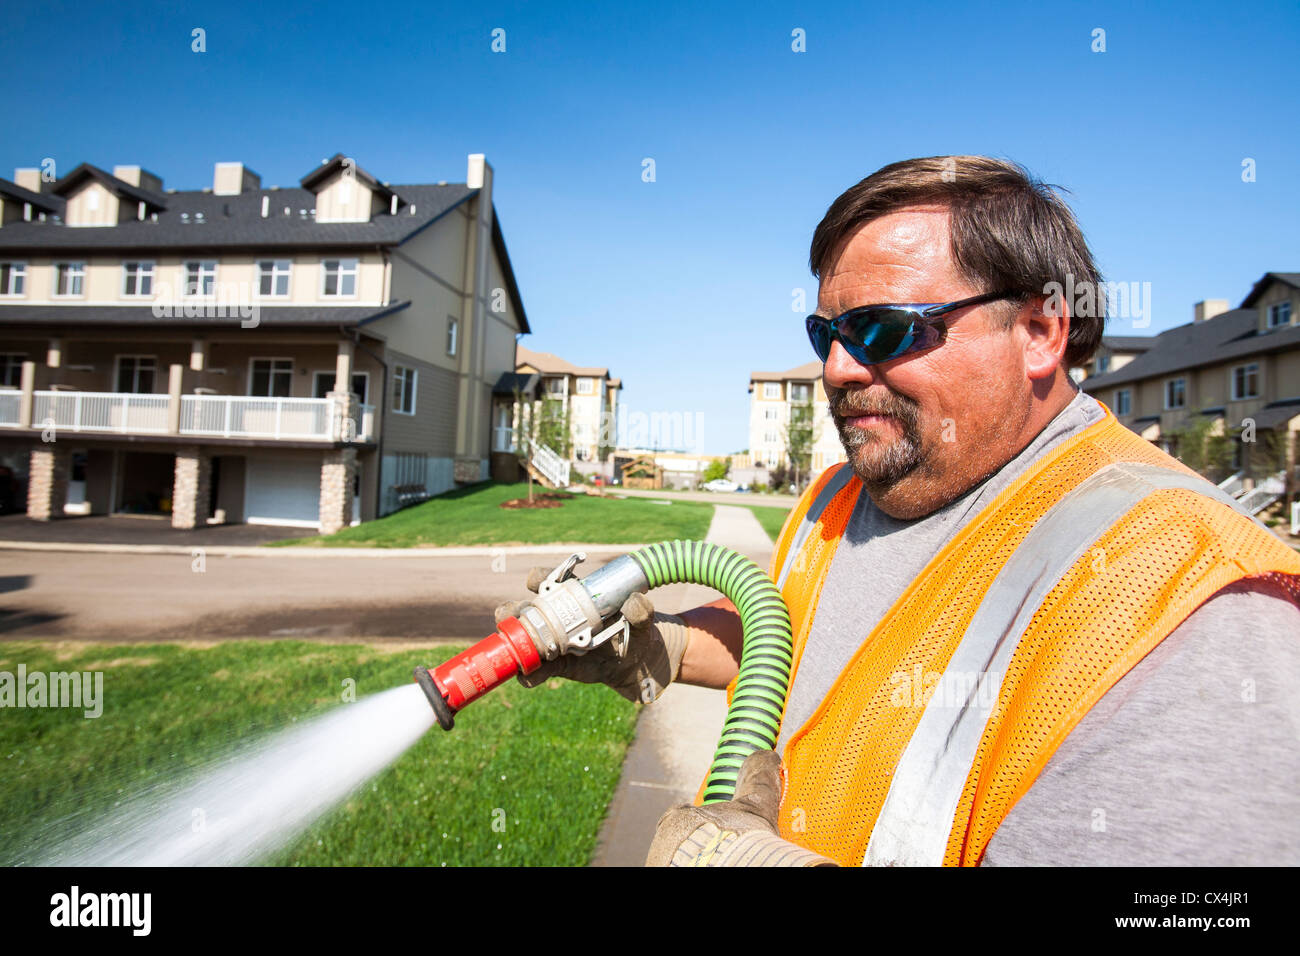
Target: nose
[{"x": 843, "y": 371}]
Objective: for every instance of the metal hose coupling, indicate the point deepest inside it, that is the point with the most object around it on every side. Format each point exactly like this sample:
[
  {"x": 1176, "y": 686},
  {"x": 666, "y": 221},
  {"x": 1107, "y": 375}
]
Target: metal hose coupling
[{"x": 573, "y": 616}]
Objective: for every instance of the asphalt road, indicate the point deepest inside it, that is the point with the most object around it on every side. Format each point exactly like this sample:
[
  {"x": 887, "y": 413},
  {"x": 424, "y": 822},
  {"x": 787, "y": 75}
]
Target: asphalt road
[{"x": 164, "y": 597}]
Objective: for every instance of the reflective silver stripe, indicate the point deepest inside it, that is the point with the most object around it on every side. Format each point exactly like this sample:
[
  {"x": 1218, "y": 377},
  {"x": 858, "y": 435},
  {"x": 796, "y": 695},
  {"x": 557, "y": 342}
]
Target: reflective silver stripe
[
  {"x": 917, "y": 816},
  {"x": 834, "y": 485}
]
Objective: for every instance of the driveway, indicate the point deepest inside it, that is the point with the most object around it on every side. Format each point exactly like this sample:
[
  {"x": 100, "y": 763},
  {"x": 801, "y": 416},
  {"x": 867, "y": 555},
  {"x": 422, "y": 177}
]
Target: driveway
[{"x": 131, "y": 529}]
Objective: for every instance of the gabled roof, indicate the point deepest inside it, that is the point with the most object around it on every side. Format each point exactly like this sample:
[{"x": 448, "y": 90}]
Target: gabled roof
[
  {"x": 512, "y": 287},
  {"x": 1275, "y": 413},
  {"x": 235, "y": 222},
  {"x": 45, "y": 202},
  {"x": 549, "y": 364},
  {"x": 807, "y": 372},
  {"x": 1127, "y": 343},
  {"x": 1228, "y": 336},
  {"x": 119, "y": 187},
  {"x": 336, "y": 164},
  {"x": 1290, "y": 278}
]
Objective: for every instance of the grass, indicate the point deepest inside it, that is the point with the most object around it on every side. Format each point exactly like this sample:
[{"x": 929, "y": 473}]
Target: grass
[
  {"x": 771, "y": 517},
  {"x": 473, "y": 516},
  {"x": 541, "y": 764}
]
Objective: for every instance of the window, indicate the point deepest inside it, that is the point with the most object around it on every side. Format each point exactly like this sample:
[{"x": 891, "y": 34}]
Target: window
[
  {"x": 135, "y": 373},
  {"x": 771, "y": 437},
  {"x": 323, "y": 384},
  {"x": 771, "y": 414},
  {"x": 1175, "y": 393},
  {"x": 200, "y": 278},
  {"x": 271, "y": 377},
  {"x": 69, "y": 278},
  {"x": 13, "y": 278},
  {"x": 586, "y": 386},
  {"x": 404, "y": 389},
  {"x": 771, "y": 390},
  {"x": 11, "y": 370},
  {"x": 273, "y": 277},
  {"x": 555, "y": 386},
  {"x": 453, "y": 327},
  {"x": 1279, "y": 314},
  {"x": 1103, "y": 363},
  {"x": 1123, "y": 401},
  {"x": 137, "y": 278},
  {"x": 339, "y": 277},
  {"x": 800, "y": 393},
  {"x": 1245, "y": 381}
]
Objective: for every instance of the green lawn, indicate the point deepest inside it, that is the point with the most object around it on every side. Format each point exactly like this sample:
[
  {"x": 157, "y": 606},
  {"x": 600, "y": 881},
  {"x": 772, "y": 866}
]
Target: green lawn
[
  {"x": 473, "y": 516},
  {"x": 770, "y": 517},
  {"x": 543, "y": 762}
]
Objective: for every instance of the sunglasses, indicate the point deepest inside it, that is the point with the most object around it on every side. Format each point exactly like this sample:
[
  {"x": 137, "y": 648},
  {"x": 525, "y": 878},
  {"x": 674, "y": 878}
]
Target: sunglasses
[{"x": 878, "y": 333}]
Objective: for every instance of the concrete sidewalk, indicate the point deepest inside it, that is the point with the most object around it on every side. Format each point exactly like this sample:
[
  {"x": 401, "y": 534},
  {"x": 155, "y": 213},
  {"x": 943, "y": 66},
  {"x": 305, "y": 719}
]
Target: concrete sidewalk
[{"x": 678, "y": 733}]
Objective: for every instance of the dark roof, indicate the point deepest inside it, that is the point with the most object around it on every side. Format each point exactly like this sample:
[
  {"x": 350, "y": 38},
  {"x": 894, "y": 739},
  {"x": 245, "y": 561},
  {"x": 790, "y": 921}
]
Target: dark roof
[
  {"x": 1290, "y": 278},
  {"x": 335, "y": 164},
  {"x": 511, "y": 382},
  {"x": 1146, "y": 419},
  {"x": 1127, "y": 343},
  {"x": 1231, "y": 335},
  {"x": 499, "y": 244},
  {"x": 236, "y": 222},
  {"x": 46, "y": 202},
  {"x": 302, "y": 316},
  {"x": 119, "y": 187},
  {"x": 1275, "y": 413}
]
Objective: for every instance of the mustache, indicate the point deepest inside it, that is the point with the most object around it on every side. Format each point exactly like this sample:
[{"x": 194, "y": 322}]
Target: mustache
[{"x": 847, "y": 404}]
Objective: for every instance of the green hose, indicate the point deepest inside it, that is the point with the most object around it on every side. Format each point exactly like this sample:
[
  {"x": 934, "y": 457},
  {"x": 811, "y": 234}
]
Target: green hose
[{"x": 754, "y": 717}]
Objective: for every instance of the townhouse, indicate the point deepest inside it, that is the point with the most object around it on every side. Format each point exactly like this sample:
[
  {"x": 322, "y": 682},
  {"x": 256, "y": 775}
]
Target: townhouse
[{"x": 313, "y": 356}]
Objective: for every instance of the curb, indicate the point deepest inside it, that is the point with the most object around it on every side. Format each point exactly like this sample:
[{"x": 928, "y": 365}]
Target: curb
[{"x": 258, "y": 551}]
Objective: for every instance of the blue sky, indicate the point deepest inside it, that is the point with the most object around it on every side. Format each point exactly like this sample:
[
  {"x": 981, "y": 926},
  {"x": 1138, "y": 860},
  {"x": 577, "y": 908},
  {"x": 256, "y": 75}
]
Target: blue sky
[{"x": 684, "y": 285}]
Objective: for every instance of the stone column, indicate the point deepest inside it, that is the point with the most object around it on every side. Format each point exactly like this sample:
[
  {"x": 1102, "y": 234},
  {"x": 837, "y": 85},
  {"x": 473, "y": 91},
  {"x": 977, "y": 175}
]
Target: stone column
[
  {"x": 338, "y": 469},
  {"x": 346, "y": 425},
  {"x": 192, "y": 487},
  {"x": 47, "y": 481}
]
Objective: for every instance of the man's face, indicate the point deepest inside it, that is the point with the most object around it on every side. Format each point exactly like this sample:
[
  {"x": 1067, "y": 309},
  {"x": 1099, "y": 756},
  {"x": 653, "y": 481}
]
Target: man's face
[{"x": 921, "y": 429}]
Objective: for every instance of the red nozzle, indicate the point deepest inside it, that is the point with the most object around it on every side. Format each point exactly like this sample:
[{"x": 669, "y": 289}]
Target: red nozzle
[{"x": 472, "y": 673}]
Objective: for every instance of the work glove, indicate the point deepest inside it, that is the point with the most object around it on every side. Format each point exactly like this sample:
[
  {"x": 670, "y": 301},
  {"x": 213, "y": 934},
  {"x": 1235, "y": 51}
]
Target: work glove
[
  {"x": 740, "y": 832},
  {"x": 656, "y": 645}
]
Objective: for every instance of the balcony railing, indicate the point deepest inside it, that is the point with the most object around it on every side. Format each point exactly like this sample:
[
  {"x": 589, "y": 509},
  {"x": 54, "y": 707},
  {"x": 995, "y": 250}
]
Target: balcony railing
[{"x": 224, "y": 416}]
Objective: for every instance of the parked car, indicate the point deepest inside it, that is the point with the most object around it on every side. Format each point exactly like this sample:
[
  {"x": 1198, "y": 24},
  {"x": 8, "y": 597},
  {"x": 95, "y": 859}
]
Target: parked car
[{"x": 720, "y": 484}]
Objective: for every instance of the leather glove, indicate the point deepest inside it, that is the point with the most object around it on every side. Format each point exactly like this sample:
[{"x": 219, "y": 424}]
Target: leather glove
[
  {"x": 656, "y": 645},
  {"x": 740, "y": 832}
]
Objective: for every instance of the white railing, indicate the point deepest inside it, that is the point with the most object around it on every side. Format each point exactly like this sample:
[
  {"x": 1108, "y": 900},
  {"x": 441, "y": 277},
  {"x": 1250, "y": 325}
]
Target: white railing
[
  {"x": 1264, "y": 494},
  {"x": 1233, "y": 483},
  {"x": 100, "y": 411},
  {"x": 551, "y": 465},
  {"x": 237, "y": 416},
  {"x": 226, "y": 416},
  {"x": 9, "y": 402}
]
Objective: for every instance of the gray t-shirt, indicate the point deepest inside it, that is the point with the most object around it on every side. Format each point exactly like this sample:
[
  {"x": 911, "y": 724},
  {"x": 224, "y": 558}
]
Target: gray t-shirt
[{"x": 1192, "y": 758}]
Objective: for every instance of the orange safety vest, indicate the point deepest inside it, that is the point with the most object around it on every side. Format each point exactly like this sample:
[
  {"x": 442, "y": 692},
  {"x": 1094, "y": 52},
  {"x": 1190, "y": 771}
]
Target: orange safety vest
[{"x": 961, "y": 693}]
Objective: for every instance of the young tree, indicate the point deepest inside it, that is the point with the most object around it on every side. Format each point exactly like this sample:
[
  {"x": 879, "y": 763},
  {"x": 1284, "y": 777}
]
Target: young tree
[
  {"x": 800, "y": 436},
  {"x": 718, "y": 468}
]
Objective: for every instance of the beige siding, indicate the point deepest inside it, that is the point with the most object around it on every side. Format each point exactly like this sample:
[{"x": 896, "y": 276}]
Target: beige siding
[
  {"x": 432, "y": 429},
  {"x": 92, "y": 205},
  {"x": 433, "y": 289}
]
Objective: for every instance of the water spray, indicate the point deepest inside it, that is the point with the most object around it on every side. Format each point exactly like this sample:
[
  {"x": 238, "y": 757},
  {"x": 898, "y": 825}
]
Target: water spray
[{"x": 572, "y": 615}]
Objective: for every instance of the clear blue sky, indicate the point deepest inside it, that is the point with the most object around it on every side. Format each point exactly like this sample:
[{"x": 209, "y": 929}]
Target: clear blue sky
[{"x": 683, "y": 286}]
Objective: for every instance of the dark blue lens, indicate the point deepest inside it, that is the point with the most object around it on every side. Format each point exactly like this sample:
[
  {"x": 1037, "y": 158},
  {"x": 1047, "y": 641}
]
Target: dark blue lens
[{"x": 819, "y": 334}]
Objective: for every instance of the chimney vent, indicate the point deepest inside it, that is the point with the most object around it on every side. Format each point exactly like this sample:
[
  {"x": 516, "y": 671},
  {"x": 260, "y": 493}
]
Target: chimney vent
[
  {"x": 1208, "y": 309},
  {"x": 28, "y": 179},
  {"x": 231, "y": 179}
]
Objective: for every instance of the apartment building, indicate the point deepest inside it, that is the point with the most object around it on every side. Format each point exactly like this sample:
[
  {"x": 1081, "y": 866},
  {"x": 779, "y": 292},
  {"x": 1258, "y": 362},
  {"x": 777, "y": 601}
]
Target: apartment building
[
  {"x": 588, "y": 395},
  {"x": 311, "y": 356},
  {"x": 1238, "y": 367},
  {"x": 773, "y": 396}
]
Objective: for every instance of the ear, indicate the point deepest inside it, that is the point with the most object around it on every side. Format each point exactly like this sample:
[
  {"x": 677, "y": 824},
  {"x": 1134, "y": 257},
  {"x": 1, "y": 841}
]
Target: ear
[{"x": 1045, "y": 322}]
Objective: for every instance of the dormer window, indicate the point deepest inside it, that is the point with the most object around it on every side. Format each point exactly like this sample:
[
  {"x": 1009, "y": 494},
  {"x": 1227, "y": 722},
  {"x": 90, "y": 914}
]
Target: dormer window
[
  {"x": 200, "y": 278},
  {"x": 339, "y": 278},
  {"x": 1279, "y": 315},
  {"x": 69, "y": 279}
]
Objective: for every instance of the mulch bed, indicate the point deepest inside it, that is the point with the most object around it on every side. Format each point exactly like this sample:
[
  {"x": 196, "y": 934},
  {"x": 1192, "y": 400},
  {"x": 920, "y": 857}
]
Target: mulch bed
[{"x": 548, "y": 500}]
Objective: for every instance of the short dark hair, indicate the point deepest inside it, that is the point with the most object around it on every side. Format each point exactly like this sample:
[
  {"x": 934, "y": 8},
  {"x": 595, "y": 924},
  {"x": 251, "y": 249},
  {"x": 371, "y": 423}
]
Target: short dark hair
[{"x": 1009, "y": 230}]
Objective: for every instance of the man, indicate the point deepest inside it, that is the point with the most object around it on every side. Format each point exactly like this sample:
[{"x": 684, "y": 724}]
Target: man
[{"x": 1022, "y": 634}]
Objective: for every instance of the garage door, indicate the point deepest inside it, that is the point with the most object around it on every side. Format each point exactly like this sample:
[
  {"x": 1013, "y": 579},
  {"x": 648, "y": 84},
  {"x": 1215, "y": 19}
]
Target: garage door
[{"x": 283, "y": 491}]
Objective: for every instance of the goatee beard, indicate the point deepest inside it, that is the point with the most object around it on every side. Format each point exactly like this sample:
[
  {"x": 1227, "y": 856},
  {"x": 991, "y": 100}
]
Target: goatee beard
[{"x": 878, "y": 461}]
